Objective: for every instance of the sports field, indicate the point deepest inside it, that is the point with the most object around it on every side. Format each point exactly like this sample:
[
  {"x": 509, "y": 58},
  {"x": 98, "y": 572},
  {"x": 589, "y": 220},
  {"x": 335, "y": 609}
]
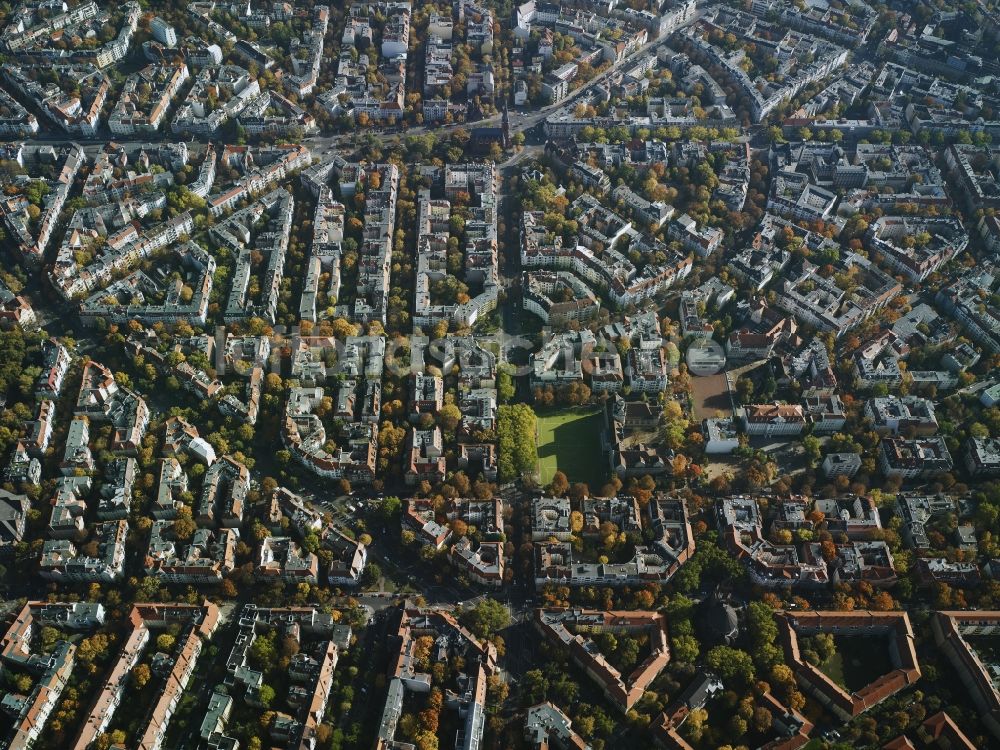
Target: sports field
[{"x": 570, "y": 441}]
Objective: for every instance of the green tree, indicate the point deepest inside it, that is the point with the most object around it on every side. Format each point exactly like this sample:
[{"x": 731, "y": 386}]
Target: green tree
[
  {"x": 310, "y": 542},
  {"x": 694, "y": 727},
  {"x": 534, "y": 687},
  {"x": 449, "y": 417},
  {"x": 263, "y": 652},
  {"x": 184, "y": 526},
  {"x": 12, "y": 352},
  {"x": 372, "y": 574},
  {"x": 505, "y": 384},
  {"x": 813, "y": 449},
  {"x": 266, "y": 695},
  {"x": 486, "y": 618},
  {"x": 141, "y": 675},
  {"x": 685, "y": 649},
  {"x": 390, "y": 508},
  {"x": 49, "y": 637},
  {"x": 744, "y": 389},
  {"x": 731, "y": 663},
  {"x": 518, "y": 448}
]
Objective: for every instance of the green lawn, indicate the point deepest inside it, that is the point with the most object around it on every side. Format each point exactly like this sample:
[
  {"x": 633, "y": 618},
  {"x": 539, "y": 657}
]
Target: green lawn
[
  {"x": 570, "y": 441},
  {"x": 859, "y": 661}
]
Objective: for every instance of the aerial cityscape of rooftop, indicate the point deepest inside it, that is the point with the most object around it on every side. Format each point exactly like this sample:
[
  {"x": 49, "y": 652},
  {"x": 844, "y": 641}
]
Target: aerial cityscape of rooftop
[{"x": 487, "y": 375}]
